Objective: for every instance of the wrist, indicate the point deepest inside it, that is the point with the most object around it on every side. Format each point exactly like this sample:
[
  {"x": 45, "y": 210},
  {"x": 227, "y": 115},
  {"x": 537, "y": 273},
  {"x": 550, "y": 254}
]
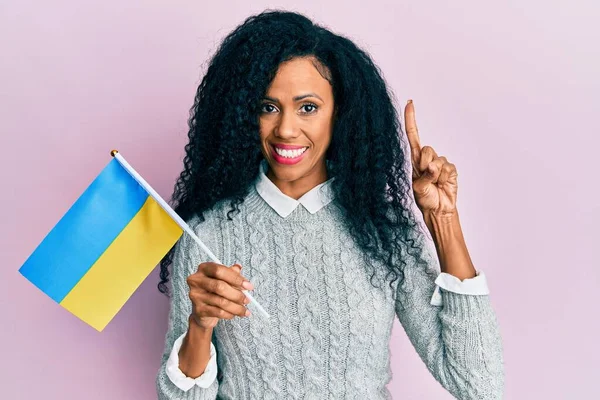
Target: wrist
[
  {"x": 450, "y": 244},
  {"x": 196, "y": 328},
  {"x": 443, "y": 227},
  {"x": 194, "y": 352},
  {"x": 196, "y": 334}
]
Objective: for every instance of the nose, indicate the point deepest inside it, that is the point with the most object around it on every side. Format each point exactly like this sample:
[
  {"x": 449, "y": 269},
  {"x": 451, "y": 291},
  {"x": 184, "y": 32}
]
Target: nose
[{"x": 287, "y": 128}]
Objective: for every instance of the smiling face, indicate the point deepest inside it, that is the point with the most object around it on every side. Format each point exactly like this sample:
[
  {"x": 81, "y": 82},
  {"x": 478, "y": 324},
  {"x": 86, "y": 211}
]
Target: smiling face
[{"x": 296, "y": 123}]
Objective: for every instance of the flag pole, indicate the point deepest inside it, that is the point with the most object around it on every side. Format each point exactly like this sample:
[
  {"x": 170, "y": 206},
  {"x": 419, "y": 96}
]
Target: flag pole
[{"x": 177, "y": 219}]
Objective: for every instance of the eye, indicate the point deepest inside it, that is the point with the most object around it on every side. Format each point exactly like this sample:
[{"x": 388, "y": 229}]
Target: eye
[
  {"x": 267, "y": 108},
  {"x": 309, "y": 108}
]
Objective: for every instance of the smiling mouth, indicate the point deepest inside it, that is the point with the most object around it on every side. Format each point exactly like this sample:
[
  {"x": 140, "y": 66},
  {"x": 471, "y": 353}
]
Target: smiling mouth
[
  {"x": 288, "y": 150},
  {"x": 288, "y": 156}
]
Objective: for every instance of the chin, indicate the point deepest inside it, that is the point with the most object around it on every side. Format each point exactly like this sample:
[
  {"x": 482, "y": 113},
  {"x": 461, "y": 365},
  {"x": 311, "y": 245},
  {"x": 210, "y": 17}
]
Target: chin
[{"x": 286, "y": 172}]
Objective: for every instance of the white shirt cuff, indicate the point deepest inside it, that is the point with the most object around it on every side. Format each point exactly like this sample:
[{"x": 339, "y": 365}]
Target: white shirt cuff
[
  {"x": 184, "y": 382},
  {"x": 472, "y": 286}
]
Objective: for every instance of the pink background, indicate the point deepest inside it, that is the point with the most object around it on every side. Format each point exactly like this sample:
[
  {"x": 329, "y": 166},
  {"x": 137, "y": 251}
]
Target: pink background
[{"x": 508, "y": 92}]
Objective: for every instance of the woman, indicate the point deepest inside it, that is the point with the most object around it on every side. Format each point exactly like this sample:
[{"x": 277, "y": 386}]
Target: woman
[{"x": 295, "y": 172}]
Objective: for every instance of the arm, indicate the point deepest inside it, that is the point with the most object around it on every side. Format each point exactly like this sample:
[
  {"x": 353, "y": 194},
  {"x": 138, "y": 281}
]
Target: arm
[
  {"x": 196, "y": 349},
  {"x": 458, "y": 273},
  {"x": 185, "y": 260},
  {"x": 459, "y": 341}
]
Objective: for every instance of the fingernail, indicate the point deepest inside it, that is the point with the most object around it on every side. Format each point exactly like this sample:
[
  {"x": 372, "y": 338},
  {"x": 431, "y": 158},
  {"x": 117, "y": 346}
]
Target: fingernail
[
  {"x": 246, "y": 300},
  {"x": 409, "y": 101},
  {"x": 248, "y": 285},
  {"x": 248, "y": 313}
]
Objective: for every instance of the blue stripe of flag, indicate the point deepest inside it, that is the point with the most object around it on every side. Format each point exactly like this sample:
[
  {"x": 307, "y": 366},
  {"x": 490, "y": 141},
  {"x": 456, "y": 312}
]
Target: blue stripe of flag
[{"x": 85, "y": 231}]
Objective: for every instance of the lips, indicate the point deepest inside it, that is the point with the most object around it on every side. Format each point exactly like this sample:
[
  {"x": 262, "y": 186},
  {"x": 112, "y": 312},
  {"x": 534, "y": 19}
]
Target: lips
[{"x": 285, "y": 160}]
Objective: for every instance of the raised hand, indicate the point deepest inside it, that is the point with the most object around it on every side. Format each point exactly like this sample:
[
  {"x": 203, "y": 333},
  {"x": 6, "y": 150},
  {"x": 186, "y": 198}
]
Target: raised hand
[{"x": 434, "y": 179}]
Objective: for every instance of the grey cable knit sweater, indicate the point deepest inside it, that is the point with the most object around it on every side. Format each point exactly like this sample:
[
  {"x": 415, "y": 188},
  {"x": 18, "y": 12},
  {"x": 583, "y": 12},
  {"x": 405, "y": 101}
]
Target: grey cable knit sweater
[{"x": 330, "y": 328}]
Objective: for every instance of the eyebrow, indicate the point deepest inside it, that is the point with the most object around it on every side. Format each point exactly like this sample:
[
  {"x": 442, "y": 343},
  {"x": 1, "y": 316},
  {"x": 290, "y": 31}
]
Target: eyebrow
[{"x": 297, "y": 98}]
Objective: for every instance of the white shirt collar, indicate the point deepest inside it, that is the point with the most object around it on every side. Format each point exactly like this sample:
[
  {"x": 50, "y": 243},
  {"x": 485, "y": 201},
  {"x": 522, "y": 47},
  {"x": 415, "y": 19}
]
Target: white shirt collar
[{"x": 313, "y": 200}]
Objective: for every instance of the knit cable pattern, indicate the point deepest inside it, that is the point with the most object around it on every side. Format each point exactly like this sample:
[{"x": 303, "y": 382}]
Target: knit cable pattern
[
  {"x": 263, "y": 330},
  {"x": 289, "y": 337},
  {"x": 339, "y": 335},
  {"x": 329, "y": 332},
  {"x": 312, "y": 340}
]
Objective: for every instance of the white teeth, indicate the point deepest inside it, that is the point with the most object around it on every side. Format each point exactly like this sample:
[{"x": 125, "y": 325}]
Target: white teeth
[{"x": 290, "y": 153}]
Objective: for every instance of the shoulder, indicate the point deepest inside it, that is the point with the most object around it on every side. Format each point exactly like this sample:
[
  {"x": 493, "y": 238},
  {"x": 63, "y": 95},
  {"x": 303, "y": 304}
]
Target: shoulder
[
  {"x": 208, "y": 227},
  {"x": 188, "y": 253},
  {"x": 209, "y": 218}
]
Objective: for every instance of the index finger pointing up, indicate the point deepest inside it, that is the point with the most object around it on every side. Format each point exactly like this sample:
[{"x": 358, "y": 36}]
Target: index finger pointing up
[{"x": 412, "y": 133}]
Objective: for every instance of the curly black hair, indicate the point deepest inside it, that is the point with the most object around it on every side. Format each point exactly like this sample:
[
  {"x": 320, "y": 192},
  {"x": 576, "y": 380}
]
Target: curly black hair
[{"x": 372, "y": 185}]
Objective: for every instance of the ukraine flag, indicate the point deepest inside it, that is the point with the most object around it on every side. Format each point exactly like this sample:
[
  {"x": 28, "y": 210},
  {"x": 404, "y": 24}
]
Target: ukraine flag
[{"x": 105, "y": 245}]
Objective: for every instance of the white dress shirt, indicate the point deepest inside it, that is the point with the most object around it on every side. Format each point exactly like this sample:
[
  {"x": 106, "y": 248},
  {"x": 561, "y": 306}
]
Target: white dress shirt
[{"x": 315, "y": 199}]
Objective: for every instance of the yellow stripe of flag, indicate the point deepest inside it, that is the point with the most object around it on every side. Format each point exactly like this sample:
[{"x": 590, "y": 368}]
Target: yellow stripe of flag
[{"x": 121, "y": 269}]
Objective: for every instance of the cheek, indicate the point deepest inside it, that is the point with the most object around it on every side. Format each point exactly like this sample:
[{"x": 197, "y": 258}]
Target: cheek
[
  {"x": 265, "y": 127},
  {"x": 322, "y": 132},
  {"x": 263, "y": 132}
]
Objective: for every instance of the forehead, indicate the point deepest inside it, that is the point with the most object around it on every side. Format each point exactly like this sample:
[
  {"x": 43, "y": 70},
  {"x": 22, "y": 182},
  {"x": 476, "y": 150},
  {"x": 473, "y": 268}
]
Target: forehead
[{"x": 299, "y": 75}]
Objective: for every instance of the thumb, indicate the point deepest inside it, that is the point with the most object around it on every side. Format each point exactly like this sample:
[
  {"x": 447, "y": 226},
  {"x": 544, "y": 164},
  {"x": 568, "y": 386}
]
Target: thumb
[
  {"x": 237, "y": 267},
  {"x": 422, "y": 185},
  {"x": 430, "y": 173}
]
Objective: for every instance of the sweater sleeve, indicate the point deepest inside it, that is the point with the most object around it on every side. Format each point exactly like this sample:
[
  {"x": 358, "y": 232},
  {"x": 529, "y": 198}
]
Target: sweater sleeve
[
  {"x": 186, "y": 257},
  {"x": 458, "y": 340}
]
